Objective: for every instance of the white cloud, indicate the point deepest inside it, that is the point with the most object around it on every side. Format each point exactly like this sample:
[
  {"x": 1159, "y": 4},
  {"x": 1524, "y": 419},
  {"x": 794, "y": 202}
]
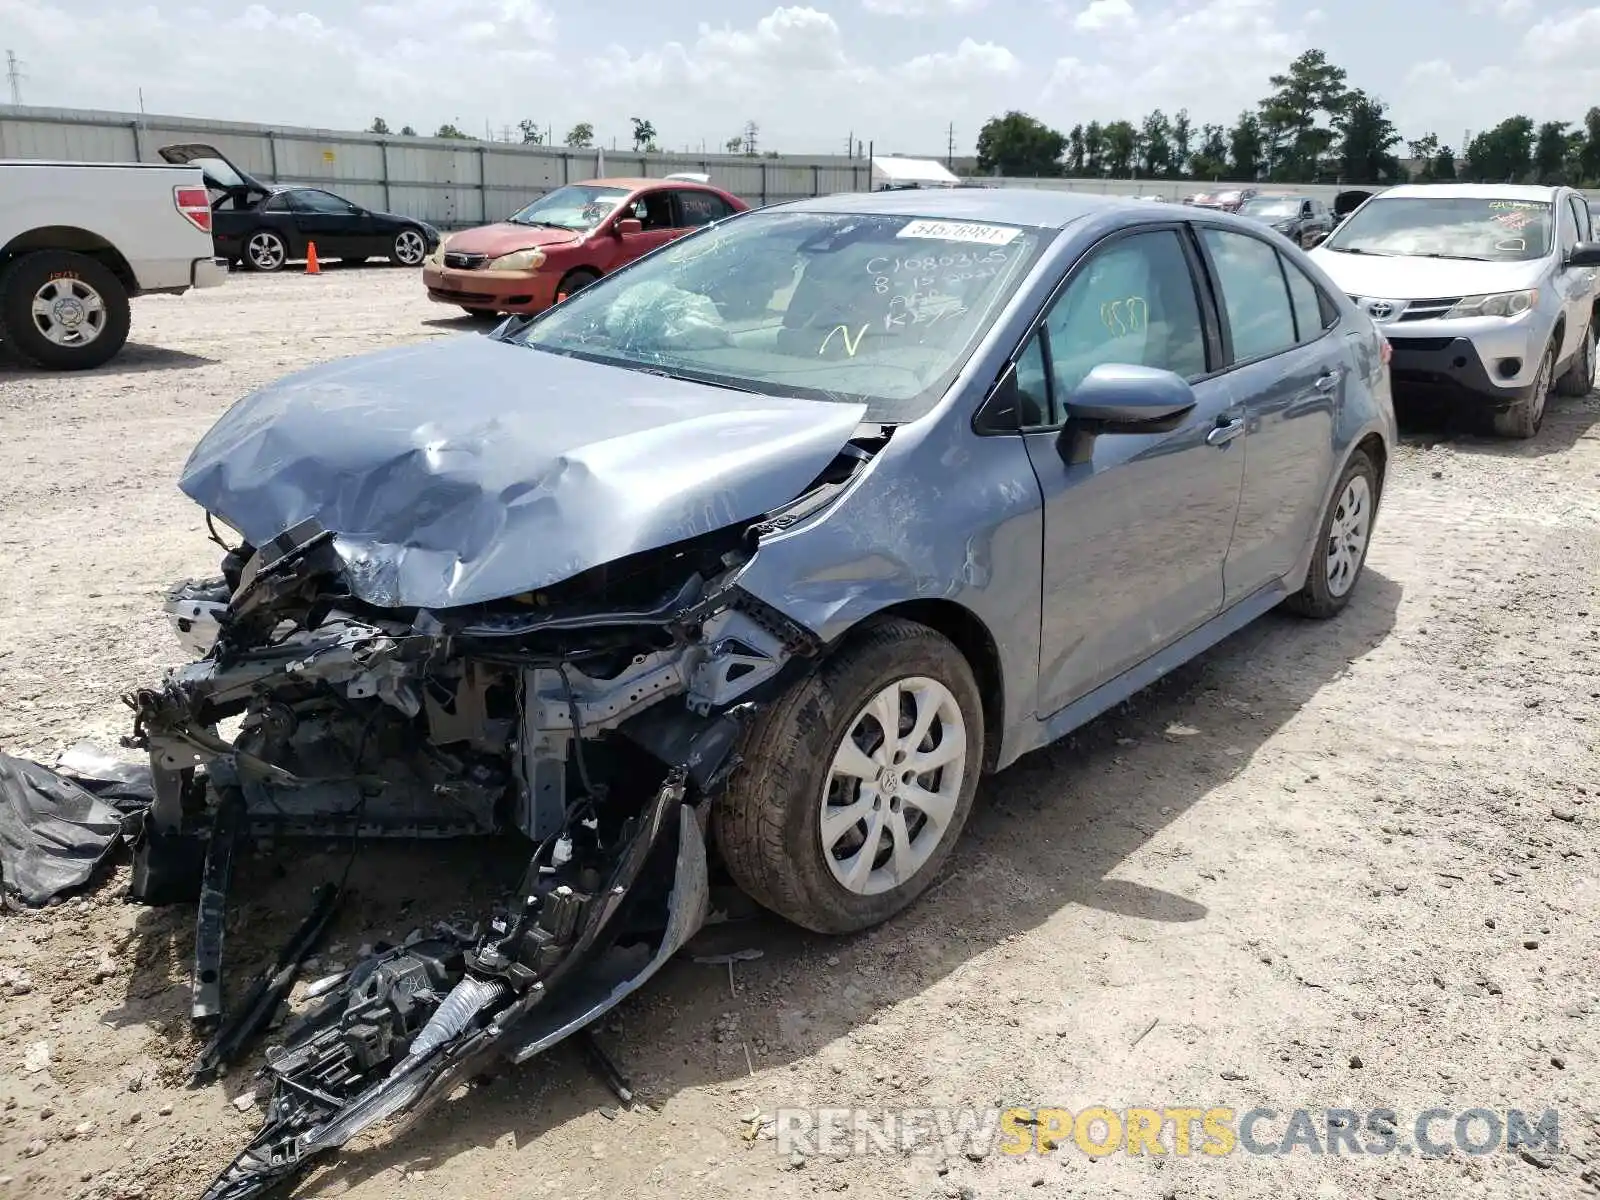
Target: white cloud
[
  {"x": 1103, "y": 14},
  {"x": 1213, "y": 57},
  {"x": 920, "y": 8},
  {"x": 971, "y": 62}
]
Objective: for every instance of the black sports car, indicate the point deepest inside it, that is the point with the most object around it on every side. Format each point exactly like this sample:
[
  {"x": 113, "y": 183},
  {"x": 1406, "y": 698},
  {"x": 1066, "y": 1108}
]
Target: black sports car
[{"x": 263, "y": 227}]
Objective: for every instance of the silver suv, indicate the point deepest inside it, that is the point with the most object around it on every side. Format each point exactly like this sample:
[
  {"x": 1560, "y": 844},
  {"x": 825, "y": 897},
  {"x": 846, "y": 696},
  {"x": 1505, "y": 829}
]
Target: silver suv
[{"x": 1487, "y": 290}]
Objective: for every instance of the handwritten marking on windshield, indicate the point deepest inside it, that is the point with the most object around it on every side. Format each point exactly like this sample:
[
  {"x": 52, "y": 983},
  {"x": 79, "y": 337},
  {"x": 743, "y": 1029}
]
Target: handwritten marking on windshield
[{"x": 850, "y": 346}]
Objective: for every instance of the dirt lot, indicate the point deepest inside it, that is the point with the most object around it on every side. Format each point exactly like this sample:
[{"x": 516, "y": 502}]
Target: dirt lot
[{"x": 1349, "y": 864}]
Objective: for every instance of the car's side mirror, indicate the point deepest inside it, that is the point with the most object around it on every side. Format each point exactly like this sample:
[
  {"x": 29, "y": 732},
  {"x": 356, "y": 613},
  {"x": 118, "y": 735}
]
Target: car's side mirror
[
  {"x": 1585, "y": 254},
  {"x": 1122, "y": 398},
  {"x": 1319, "y": 237},
  {"x": 628, "y": 226}
]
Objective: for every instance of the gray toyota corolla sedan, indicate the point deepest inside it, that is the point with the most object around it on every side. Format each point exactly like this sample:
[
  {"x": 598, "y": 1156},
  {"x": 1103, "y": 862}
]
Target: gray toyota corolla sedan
[{"x": 781, "y": 535}]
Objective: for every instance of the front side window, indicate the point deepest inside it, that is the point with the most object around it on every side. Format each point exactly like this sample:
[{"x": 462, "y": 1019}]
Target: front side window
[
  {"x": 1475, "y": 228},
  {"x": 845, "y": 307},
  {"x": 653, "y": 210},
  {"x": 1580, "y": 214},
  {"x": 1569, "y": 230},
  {"x": 579, "y": 207},
  {"x": 1254, "y": 294},
  {"x": 1132, "y": 303},
  {"x": 312, "y": 201}
]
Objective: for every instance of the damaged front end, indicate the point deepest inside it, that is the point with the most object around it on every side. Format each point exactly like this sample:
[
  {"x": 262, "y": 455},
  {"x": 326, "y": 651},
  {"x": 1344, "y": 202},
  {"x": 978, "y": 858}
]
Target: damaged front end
[{"x": 595, "y": 717}]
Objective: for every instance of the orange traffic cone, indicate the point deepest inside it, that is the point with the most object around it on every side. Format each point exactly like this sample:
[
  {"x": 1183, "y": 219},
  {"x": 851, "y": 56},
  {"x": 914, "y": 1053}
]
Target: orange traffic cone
[
  {"x": 560, "y": 296},
  {"x": 312, "y": 268}
]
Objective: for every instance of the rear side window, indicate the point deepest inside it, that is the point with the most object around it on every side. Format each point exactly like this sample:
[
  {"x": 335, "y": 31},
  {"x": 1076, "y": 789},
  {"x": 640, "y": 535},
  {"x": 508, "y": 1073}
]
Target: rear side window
[
  {"x": 1254, "y": 294},
  {"x": 1312, "y": 312},
  {"x": 700, "y": 208}
]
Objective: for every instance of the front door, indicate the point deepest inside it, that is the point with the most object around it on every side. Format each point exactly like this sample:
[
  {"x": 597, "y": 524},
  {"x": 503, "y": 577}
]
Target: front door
[
  {"x": 1289, "y": 372},
  {"x": 1136, "y": 531},
  {"x": 653, "y": 211},
  {"x": 1576, "y": 284},
  {"x": 329, "y": 221}
]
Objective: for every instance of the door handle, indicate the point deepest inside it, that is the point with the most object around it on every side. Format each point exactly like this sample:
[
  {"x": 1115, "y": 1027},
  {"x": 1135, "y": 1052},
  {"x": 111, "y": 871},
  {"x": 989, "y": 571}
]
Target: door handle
[
  {"x": 1225, "y": 433},
  {"x": 1329, "y": 379}
]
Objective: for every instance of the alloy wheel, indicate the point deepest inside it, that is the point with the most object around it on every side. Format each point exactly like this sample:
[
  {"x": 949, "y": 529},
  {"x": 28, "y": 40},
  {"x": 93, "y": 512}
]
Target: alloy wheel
[{"x": 68, "y": 312}]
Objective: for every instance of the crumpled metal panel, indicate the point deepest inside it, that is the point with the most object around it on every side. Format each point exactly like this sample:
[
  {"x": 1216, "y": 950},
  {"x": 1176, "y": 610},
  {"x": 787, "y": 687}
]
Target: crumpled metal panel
[{"x": 467, "y": 469}]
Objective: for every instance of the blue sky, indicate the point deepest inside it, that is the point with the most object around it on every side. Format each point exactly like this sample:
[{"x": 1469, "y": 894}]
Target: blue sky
[{"x": 896, "y": 72}]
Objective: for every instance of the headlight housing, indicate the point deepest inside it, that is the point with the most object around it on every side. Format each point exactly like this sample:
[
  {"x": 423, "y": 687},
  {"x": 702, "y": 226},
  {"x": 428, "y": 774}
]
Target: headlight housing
[
  {"x": 530, "y": 259},
  {"x": 436, "y": 259},
  {"x": 1494, "y": 304}
]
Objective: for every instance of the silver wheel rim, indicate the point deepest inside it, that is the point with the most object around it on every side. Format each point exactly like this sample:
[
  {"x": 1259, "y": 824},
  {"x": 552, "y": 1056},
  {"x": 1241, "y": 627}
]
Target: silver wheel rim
[
  {"x": 409, "y": 247},
  {"x": 266, "y": 251},
  {"x": 893, "y": 786},
  {"x": 68, "y": 312},
  {"x": 1347, "y": 538}
]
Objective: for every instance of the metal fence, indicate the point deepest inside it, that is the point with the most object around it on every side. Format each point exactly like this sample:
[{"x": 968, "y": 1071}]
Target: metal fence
[{"x": 447, "y": 182}]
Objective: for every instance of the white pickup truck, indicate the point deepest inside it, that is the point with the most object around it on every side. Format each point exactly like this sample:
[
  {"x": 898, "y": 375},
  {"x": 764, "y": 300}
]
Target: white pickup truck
[{"x": 78, "y": 239}]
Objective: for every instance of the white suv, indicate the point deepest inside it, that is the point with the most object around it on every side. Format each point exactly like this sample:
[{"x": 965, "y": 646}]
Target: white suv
[{"x": 1488, "y": 290}]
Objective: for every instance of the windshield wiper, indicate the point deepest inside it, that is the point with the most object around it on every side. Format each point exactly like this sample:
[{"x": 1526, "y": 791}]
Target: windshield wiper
[
  {"x": 662, "y": 373},
  {"x": 1357, "y": 250},
  {"x": 540, "y": 224},
  {"x": 1456, "y": 257}
]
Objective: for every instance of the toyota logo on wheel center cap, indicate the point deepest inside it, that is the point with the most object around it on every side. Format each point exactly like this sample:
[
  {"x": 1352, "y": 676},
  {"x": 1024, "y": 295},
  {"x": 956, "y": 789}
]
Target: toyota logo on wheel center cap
[{"x": 888, "y": 780}]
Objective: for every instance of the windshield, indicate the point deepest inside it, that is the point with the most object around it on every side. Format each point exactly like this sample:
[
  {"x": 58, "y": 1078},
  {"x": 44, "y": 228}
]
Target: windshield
[
  {"x": 1448, "y": 227},
  {"x": 577, "y": 206},
  {"x": 878, "y": 310},
  {"x": 1274, "y": 207}
]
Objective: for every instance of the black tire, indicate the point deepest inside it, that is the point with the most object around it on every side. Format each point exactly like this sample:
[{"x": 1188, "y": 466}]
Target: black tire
[
  {"x": 768, "y": 820},
  {"x": 576, "y": 280},
  {"x": 1523, "y": 419},
  {"x": 76, "y": 281},
  {"x": 1578, "y": 379},
  {"x": 483, "y": 314},
  {"x": 409, "y": 248},
  {"x": 265, "y": 250},
  {"x": 1320, "y": 598}
]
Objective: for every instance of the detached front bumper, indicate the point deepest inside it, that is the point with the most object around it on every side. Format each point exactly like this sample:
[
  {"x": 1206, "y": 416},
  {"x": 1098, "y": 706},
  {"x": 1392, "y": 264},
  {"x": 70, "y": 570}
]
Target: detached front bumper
[{"x": 497, "y": 291}]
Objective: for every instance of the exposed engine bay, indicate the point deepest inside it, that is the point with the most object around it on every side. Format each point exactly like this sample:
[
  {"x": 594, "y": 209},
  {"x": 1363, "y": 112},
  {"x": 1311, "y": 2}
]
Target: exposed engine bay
[{"x": 595, "y": 717}]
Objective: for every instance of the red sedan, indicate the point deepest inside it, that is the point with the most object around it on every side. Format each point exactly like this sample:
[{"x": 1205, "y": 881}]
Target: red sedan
[{"x": 565, "y": 240}]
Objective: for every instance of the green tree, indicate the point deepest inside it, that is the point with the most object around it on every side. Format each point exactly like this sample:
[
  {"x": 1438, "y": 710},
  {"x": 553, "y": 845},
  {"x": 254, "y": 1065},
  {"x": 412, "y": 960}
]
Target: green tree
[
  {"x": 1094, "y": 149},
  {"x": 1211, "y": 160},
  {"x": 1155, "y": 146},
  {"x": 1075, "y": 151},
  {"x": 1244, "y": 148},
  {"x": 1423, "y": 151},
  {"x": 581, "y": 136},
  {"x": 1444, "y": 165},
  {"x": 1017, "y": 144},
  {"x": 532, "y": 135},
  {"x": 1367, "y": 139},
  {"x": 644, "y": 133},
  {"x": 1589, "y": 154},
  {"x": 1182, "y": 141},
  {"x": 734, "y": 144},
  {"x": 379, "y": 125},
  {"x": 407, "y": 131},
  {"x": 1552, "y": 147},
  {"x": 1311, "y": 90},
  {"x": 1503, "y": 154},
  {"x": 448, "y": 130},
  {"x": 1121, "y": 144}
]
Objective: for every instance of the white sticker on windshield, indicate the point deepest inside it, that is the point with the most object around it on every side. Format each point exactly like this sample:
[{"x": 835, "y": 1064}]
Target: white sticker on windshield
[{"x": 961, "y": 231}]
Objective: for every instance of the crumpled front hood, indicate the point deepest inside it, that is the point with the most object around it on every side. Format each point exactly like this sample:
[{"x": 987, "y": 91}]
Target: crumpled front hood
[
  {"x": 466, "y": 469},
  {"x": 1407, "y": 277},
  {"x": 507, "y": 237}
]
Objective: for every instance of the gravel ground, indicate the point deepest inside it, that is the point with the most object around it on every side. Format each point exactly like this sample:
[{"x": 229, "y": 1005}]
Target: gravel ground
[{"x": 1349, "y": 864}]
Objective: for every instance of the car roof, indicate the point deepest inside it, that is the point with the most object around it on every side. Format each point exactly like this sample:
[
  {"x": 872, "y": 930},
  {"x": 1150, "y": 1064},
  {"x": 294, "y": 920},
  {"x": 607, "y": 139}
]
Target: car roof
[
  {"x": 1040, "y": 207},
  {"x": 1474, "y": 191},
  {"x": 635, "y": 183}
]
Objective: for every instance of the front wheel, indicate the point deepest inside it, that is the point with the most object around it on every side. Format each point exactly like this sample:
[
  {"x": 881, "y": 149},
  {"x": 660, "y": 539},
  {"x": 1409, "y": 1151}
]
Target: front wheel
[
  {"x": 1579, "y": 377},
  {"x": 1341, "y": 548},
  {"x": 855, "y": 784},
  {"x": 409, "y": 248},
  {"x": 62, "y": 311},
  {"x": 1523, "y": 419}
]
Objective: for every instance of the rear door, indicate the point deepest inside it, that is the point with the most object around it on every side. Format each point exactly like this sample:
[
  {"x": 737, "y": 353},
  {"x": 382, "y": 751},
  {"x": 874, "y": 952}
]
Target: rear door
[
  {"x": 697, "y": 208},
  {"x": 1288, "y": 373}
]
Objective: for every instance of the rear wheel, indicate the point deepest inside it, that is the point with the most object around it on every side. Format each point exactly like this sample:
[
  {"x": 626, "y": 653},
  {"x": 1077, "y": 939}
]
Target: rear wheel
[
  {"x": 856, "y": 783},
  {"x": 1522, "y": 419},
  {"x": 265, "y": 251},
  {"x": 62, "y": 311},
  {"x": 1579, "y": 377},
  {"x": 1341, "y": 548}
]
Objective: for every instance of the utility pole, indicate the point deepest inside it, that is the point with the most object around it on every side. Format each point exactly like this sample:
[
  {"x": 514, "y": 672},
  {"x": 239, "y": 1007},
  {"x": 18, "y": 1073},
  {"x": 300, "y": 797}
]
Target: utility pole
[
  {"x": 750, "y": 131},
  {"x": 850, "y": 145},
  {"x": 950, "y": 148},
  {"x": 15, "y": 76}
]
